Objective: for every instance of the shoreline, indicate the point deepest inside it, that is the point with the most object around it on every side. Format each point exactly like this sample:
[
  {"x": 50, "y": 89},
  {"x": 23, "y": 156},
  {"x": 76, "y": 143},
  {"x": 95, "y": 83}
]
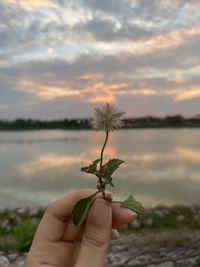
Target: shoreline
[{"x": 89, "y": 129}]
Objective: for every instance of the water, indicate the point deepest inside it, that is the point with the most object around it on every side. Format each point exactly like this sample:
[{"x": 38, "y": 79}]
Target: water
[{"x": 162, "y": 165}]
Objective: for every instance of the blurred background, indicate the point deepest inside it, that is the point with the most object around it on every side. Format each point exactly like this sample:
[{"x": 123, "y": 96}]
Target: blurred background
[{"x": 59, "y": 59}]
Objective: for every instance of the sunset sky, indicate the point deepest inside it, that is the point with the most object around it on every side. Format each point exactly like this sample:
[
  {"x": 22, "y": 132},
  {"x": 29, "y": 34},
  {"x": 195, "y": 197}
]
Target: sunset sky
[{"x": 60, "y": 58}]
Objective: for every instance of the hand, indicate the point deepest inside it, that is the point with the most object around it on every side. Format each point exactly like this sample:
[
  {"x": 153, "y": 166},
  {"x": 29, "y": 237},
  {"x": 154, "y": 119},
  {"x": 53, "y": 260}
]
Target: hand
[{"x": 58, "y": 242}]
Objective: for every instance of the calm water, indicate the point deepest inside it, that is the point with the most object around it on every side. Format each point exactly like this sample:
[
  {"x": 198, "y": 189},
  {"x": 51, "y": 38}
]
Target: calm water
[{"x": 162, "y": 166}]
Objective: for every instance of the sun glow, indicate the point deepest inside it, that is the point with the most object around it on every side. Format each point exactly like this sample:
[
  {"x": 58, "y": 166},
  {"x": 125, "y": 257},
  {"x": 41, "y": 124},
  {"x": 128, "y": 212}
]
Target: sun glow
[{"x": 96, "y": 92}]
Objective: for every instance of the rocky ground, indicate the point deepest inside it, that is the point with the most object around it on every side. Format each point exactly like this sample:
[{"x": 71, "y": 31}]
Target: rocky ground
[
  {"x": 146, "y": 253},
  {"x": 165, "y": 237},
  {"x": 140, "y": 250}
]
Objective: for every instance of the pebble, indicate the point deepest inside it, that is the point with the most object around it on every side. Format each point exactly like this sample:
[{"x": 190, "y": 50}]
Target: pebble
[
  {"x": 180, "y": 218},
  {"x": 13, "y": 256},
  {"x": 5, "y": 224},
  {"x": 149, "y": 222},
  {"x": 136, "y": 224},
  {"x": 159, "y": 213},
  {"x": 22, "y": 210},
  {"x": 166, "y": 264},
  {"x": 33, "y": 212},
  {"x": 4, "y": 262}
]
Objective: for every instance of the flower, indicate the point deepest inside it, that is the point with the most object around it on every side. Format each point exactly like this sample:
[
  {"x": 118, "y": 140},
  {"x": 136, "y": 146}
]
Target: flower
[{"x": 107, "y": 118}]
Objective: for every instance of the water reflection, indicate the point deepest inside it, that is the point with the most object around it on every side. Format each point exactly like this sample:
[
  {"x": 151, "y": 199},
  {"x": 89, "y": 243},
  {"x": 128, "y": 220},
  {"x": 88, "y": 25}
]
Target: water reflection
[
  {"x": 162, "y": 166},
  {"x": 46, "y": 162},
  {"x": 189, "y": 154}
]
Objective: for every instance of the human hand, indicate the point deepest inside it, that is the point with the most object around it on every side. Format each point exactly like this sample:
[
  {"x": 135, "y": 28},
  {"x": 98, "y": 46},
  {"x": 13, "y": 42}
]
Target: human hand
[{"x": 59, "y": 243}]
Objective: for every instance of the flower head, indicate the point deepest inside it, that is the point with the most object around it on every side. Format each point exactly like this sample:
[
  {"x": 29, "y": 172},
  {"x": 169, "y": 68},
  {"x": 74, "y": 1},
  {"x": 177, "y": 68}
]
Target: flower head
[{"x": 107, "y": 118}]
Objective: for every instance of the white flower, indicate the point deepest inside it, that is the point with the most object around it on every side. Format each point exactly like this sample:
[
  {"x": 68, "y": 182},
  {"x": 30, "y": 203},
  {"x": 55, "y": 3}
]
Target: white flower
[{"x": 107, "y": 118}]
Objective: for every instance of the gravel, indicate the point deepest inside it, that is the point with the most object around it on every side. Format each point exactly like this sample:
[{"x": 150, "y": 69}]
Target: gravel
[{"x": 125, "y": 254}]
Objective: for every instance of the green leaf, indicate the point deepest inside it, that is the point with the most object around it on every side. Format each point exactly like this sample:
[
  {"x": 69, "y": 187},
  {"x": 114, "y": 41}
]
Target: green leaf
[
  {"x": 81, "y": 208},
  {"x": 91, "y": 168},
  {"x": 109, "y": 167},
  {"x": 108, "y": 180},
  {"x": 132, "y": 204}
]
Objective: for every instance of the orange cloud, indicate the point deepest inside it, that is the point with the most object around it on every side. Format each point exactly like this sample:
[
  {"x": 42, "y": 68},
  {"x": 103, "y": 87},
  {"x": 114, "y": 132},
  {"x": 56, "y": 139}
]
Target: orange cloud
[
  {"x": 96, "y": 92},
  {"x": 32, "y": 3},
  {"x": 102, "y": 99},
  {"x": 163, "y": 41},
  {"x": 102, "y": 92},
  {"x": 46, "y": 92},
  {"x": 188, "y": 94}
]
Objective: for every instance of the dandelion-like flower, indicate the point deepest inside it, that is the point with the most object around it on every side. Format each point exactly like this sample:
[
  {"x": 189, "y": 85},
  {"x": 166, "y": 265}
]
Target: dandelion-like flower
[{"x": 107, "y": 118}]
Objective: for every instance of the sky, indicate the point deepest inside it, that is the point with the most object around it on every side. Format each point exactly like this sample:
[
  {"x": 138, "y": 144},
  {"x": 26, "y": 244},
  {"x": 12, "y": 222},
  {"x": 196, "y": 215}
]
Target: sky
[{"x": 61, "y": 58}]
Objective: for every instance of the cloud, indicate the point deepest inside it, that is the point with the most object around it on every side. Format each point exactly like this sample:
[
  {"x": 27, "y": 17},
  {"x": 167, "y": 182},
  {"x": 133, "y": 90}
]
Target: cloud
[
  {"x": 98, "y": 92},
  {"x": 110, "y": 30},
  {"x": 188, "y": 94},
  {"x": 91, "y": 51},
  {"x": 46, "y": 92}
]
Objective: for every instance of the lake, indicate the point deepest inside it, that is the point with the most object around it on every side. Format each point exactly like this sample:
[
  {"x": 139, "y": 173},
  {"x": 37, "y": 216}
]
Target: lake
[{"x": 162, "y": 166}]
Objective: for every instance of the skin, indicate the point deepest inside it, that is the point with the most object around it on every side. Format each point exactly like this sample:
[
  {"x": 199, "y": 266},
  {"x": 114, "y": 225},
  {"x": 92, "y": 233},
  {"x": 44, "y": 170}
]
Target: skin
[{"x": 58, "y": 242}]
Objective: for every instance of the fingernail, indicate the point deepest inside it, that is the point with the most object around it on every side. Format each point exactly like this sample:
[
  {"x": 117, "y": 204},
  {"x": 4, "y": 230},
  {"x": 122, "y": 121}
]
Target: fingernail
[
  {"x": 115, "y": 233},
  {"x": 108, "y": 193},
  {"x": 130, "y": 213},
  {"x": 100, "y": 213}
]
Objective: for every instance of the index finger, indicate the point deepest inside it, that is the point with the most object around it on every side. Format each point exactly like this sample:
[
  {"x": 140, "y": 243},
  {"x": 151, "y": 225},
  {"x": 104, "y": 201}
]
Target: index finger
[{"x": 54, "y": 221}]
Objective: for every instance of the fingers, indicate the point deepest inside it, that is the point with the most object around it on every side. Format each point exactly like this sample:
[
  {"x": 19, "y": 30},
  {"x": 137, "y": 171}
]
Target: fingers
[
  {"x": 62, "y": 207},
  {"x": 114, "y": 234},
  {"x": 73, "y": 234},
  {"x": 121, "y": 216},
  {"x": 55, "y": 219},
  {"x": 96, "y": 235},
  {"x": 54, "y": 224}
]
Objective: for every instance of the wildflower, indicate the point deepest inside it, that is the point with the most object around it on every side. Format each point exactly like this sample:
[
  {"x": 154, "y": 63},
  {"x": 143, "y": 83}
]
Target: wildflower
[{"x": 107, "y": 118}]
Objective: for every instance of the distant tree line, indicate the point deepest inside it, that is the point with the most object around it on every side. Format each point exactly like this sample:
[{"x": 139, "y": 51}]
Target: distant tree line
[{"x": 79, "y": 124}]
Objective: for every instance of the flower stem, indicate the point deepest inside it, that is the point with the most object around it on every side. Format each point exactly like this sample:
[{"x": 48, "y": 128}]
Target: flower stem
[
  {"x": 102, "y": 150},
  {"x": 101, "y": 163}
]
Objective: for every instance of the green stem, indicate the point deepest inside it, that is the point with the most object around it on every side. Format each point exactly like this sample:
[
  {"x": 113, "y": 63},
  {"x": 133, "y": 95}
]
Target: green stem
[{"x": 101, "y": 163}]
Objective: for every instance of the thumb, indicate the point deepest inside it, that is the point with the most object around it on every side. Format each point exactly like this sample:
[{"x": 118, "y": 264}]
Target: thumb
[{"x": 96, "y": 236}]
